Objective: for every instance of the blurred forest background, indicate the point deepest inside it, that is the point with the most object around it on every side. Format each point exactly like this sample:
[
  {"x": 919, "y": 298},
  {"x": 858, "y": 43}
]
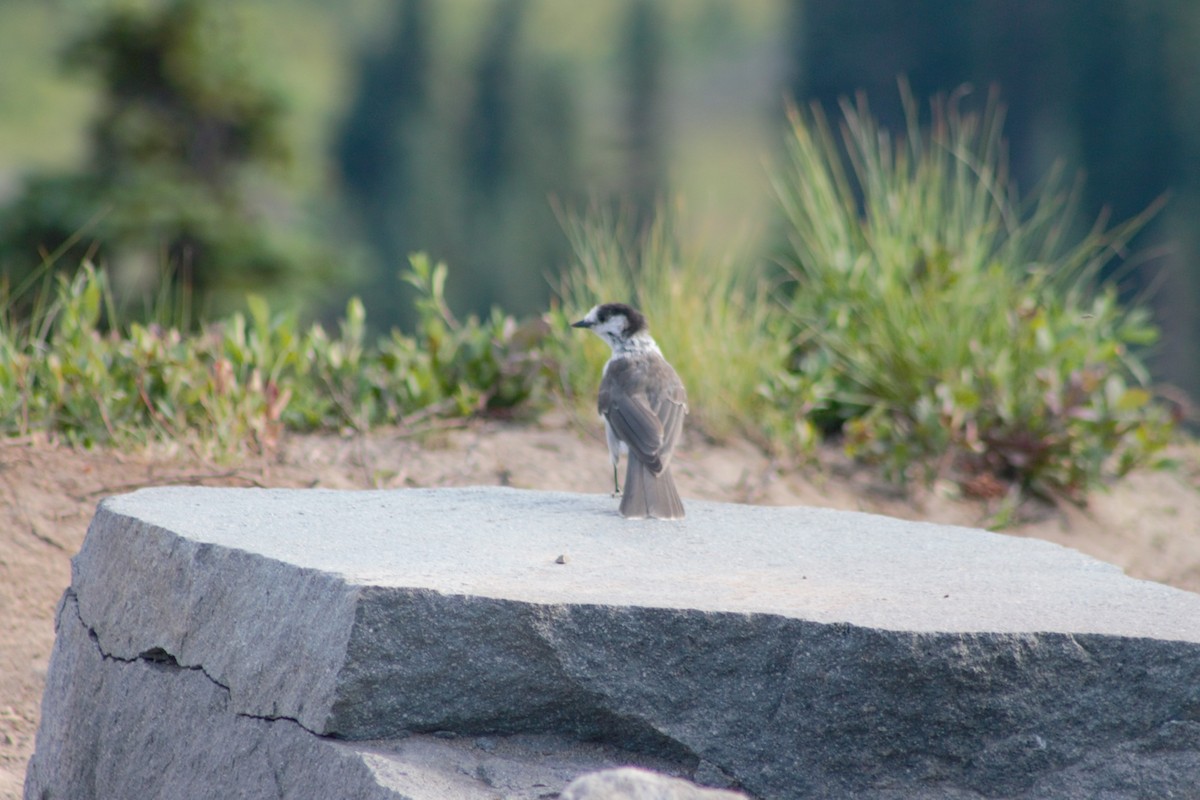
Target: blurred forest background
[{"x": 302, "y": 149}]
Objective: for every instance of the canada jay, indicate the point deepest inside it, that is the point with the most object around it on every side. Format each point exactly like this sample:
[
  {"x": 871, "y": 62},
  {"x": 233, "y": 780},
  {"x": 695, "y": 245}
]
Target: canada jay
[{"x": 642, "y": 402}]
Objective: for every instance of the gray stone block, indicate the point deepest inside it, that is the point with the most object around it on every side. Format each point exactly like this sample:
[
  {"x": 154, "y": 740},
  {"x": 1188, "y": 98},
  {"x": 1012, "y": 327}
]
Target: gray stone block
[{"x": 786, "y": 652}]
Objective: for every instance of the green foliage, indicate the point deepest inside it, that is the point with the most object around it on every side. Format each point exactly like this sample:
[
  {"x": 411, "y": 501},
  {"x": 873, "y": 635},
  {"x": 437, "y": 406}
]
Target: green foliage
[
  {"x": 239, "y": 382},
  {"x": 712, "y": 318},
  {"x": 947, "y": 326}
]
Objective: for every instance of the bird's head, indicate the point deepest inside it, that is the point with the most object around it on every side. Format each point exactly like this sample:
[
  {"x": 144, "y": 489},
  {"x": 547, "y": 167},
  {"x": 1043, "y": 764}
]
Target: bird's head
[{"x": 615, "y": 323}]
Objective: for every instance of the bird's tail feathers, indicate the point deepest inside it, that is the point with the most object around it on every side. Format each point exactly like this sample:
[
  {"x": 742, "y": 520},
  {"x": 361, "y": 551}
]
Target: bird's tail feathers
[{"x": 650, "y": 495}]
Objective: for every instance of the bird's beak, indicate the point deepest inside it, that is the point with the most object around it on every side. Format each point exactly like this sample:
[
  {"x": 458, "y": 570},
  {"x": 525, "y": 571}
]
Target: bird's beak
[{"x": 583, "y": 323}]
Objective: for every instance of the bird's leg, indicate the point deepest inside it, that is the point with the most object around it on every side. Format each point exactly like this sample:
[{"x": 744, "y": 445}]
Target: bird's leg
[{"x": 614, "y": 453}]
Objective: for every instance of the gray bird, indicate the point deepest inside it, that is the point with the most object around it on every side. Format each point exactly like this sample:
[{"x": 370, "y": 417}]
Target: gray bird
[{"x": 643, "y": 403}]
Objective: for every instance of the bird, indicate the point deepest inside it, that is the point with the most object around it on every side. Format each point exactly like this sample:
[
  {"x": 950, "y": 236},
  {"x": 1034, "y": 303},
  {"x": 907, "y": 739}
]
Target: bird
[{"x": 643, "y": 403}]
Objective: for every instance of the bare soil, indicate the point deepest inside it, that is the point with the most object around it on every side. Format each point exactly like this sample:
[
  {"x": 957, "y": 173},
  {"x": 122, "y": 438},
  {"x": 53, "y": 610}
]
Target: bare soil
[{"x": 1148, "y": 523}]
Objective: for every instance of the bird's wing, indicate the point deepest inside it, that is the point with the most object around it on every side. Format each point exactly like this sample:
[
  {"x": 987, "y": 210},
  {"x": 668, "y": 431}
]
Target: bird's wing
[
  {"x": 639, "y": 427},
  {"x": 670, "y": 410},
  {"x": 647, "y": 420}
]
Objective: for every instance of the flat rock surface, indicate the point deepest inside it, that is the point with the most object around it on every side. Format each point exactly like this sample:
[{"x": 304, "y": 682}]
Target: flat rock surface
[{"x": 811, "y": 563}]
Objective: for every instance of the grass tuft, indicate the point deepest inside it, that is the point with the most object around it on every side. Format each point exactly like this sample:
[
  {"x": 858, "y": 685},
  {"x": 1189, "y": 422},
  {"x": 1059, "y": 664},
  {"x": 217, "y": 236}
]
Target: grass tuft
[
  {"x": 950, "y": 326},
  {"x": 712, "y": 317}
]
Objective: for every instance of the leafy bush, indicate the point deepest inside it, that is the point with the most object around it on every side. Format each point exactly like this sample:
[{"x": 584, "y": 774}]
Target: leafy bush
[
  {"x": 72, "y": 370},
  {"x": 948, "y": 326},
  {"x": 450, "y": 368}
]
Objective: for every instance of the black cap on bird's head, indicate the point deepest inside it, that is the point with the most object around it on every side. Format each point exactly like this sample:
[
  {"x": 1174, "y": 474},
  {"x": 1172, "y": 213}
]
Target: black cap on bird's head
[{"x": 599, "y": 315}]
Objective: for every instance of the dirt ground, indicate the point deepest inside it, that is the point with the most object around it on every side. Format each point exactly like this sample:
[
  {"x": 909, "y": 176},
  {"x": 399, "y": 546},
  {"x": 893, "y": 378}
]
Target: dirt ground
[{"x": 1149, "y": 523}]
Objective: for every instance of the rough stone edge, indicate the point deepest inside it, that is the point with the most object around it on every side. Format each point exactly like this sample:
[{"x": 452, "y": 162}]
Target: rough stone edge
[
  {"x": 160, "y": 729},
  {"x": 201, "y": 592},
  {"x": 113, "y": 752}
]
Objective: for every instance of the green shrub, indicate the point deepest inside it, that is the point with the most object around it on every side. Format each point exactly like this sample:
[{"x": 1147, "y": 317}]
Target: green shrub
[
  {"x": 948, "y": 326},
  {"x": 73, "y": 370}
]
